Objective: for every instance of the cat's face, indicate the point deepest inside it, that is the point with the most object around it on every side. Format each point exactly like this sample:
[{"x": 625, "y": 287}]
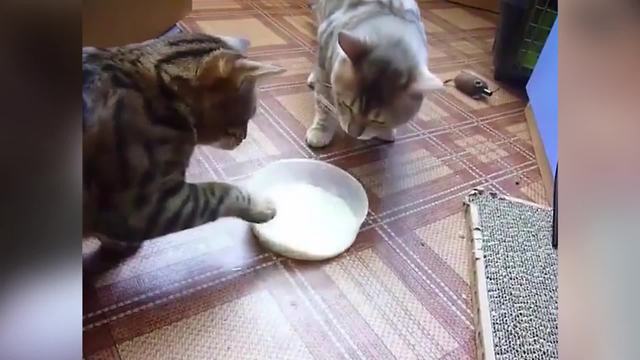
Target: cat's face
[
  {"x": 226, "y": 112},
  {"x": 378, "y": 86},
  {"x": 223, "y": 97}
]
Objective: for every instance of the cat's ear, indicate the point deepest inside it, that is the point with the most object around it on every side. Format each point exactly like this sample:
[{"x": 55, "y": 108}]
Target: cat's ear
[
  {"x": 239, "y": 44},
  {"x": 425, "y": 82},
  {"x": 231, "y": 65},
  {"x": 352, "y": 46},
  {"x": 183, "y": 86},
  {"x": 218, "y": 65},
  {"x": 246, "y": 69}
]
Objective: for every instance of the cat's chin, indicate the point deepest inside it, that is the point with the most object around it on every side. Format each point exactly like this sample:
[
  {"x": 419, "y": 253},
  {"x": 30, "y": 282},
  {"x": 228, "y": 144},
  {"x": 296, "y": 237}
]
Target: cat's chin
[{"x": 226, "y": 144}]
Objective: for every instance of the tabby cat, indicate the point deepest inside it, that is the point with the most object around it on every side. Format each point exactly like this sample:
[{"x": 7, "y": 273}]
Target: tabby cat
[
  {"x": 145, "y": 107},
  {"x": 372, "y": 67}
]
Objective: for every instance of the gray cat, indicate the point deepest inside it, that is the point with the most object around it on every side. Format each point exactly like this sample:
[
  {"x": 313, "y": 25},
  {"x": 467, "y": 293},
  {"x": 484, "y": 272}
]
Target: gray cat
[{"x": 372, "y": 67}]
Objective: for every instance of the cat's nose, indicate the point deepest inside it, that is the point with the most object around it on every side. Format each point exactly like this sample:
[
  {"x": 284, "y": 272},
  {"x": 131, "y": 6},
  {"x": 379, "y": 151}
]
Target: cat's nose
[{"x": 240, "y": 134}]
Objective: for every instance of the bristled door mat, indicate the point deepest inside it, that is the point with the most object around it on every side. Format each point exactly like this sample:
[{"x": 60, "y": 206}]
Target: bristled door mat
[{"x": 515, "y": 275}]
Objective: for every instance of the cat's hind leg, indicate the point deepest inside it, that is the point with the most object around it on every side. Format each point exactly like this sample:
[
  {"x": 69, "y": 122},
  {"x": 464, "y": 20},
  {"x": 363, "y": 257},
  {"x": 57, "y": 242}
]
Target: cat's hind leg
[
  {"x": 115, "y": 234},
  {"x": 118, "y": 248},
  {"x": 324, "y": 124}
]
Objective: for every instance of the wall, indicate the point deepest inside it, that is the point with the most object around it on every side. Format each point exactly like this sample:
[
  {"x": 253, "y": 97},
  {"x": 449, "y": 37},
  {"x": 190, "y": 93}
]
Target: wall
[
  {"x": 117, "y": 22},
  {"x": 542, "y": 89}
]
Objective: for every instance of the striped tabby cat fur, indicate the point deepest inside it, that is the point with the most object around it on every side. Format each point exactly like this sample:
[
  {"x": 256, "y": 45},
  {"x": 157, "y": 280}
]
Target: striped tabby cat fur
[
  {"x": 145, "y": 107},
  {"x": 372, "y": 68}
]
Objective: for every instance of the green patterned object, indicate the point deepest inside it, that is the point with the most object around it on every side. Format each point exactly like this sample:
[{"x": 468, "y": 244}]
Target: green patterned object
[{"x": 541, "y": 21}]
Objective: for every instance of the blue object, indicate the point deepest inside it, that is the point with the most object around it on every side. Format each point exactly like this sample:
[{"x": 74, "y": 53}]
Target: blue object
[{"x": 542, "y": 89}]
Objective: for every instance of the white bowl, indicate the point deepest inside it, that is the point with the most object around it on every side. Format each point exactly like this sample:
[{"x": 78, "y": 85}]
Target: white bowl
[{"x": 317, "y": 173}]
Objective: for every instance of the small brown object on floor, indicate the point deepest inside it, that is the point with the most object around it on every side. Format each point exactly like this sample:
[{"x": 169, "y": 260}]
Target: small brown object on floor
[{"x": 472, "y": 85}]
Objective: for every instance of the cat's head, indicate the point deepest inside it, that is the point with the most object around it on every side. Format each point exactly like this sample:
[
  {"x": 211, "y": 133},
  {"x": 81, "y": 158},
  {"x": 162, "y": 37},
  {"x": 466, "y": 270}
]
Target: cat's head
[
  {"x": 378, "y": 85},
  {"x": 222, "y": 94}
]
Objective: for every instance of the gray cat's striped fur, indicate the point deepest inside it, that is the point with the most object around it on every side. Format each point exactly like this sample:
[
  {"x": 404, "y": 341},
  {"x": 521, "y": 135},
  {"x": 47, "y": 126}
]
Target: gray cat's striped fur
[{"x": 372, "y": 65}]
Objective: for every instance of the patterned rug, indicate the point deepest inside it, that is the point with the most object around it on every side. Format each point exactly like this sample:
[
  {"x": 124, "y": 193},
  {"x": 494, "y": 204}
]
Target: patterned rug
[
  {"x": 402, "y": 291},
  {"x": 516, "y": 277}
]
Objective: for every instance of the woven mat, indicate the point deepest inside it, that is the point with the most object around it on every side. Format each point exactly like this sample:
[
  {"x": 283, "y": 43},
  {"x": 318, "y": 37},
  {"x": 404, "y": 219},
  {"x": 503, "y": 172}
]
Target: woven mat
[{"x": 516, "y": 280}]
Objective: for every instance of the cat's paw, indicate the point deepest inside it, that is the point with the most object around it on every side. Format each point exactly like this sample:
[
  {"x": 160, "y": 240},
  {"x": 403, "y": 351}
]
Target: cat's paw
[
  {"x": 318, "y": 137},
  {"x": 388, "y": 135},
  {"x": 311, "y": 80},
  {"x": 261, "y": 211}
]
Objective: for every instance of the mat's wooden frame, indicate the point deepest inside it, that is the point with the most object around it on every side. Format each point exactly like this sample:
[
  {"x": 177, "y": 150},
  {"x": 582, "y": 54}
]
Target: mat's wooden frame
[{"x": 482, "y": 316}]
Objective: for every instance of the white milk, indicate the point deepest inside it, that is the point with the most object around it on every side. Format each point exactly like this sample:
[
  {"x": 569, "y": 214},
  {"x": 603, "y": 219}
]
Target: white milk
[{"x": 310, "y": 224}]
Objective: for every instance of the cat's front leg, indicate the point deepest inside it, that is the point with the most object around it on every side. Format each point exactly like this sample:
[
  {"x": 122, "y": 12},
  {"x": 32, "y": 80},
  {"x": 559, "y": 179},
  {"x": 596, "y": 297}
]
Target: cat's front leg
[
  {"x": 182, "y": 205},
  {"x": 245, "y": 205},
  {"x": 324, "y": 124}
]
